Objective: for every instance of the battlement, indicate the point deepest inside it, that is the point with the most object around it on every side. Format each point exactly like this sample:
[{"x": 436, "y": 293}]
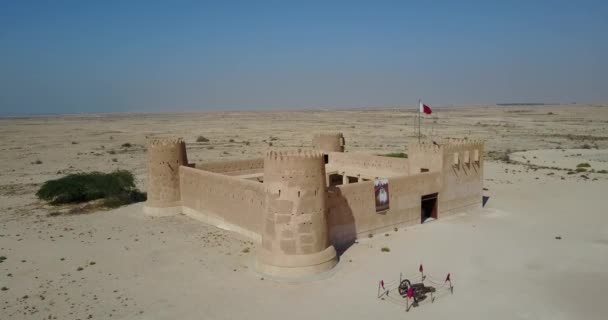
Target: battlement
[
  {"x": 293, "y": 155},
  {"x": 446, "y": 145},
  {"x": 165, "y": 141},
  {"x": 459, "y": 144}
]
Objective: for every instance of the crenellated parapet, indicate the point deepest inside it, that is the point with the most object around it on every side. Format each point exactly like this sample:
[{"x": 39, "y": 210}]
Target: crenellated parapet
[
  {"x": 329, "y": 142},
  {"x": 294, "y": 235},
  {"x": 165, "y": 156}
]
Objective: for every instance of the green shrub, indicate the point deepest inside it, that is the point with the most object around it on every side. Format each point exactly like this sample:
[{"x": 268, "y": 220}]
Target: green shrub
[
  {"x": 385, "y": 249},
  {"x": 126, "y": 145},
  {"x": 202, "y": 139},
  {"x": 581, "y": 170},
  {"x": 602, "y": 171},
  {"x": 583, "y": 165},
  {"x": 395, "y": 155},
  {"x": 116, "y": 188}
]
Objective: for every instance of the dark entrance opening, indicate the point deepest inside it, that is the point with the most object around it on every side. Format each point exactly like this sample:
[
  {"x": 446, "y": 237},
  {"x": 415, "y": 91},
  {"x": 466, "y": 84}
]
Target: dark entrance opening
[
  {"x": 335, "y": 179},
  {"x": 428, "y": 207},
  {"x": 326, "y": 158}
]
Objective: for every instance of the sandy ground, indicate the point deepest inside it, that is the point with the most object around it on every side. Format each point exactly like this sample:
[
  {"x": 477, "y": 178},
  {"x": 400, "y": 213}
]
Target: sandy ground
[{"x": 505, "y": 260}]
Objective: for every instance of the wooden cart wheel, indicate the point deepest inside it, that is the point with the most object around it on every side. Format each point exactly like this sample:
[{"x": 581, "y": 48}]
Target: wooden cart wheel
[{"x": 403, "y": 286}]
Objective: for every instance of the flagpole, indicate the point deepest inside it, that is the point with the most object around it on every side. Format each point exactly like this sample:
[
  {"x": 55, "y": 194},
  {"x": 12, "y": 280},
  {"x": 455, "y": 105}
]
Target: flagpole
[{"x": 419, "y": 102}]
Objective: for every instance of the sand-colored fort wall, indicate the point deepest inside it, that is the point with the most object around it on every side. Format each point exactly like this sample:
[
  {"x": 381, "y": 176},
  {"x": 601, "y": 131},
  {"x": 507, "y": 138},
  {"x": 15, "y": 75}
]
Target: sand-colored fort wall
[
  {"x": 352, "y": 207},
  {"x": 368, "y": 161},
  {"x": 424, "y": 156},
  {"x": 462, "y": 177},
  {"x": 232, "y": 165},
  {"x": 328, "y": 142},
  {"x": 224, "y": 201}
]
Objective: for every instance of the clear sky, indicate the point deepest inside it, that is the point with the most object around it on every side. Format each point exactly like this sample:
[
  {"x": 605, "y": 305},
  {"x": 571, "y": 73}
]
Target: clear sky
[{"x": 109, "y": 56}]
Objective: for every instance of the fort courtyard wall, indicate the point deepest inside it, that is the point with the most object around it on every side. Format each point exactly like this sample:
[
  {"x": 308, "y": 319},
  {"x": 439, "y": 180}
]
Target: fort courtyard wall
[
  {"x": 369, "y": 162},
  {"x": 232, "y": 165},
  {"x": 224, "y": 201}
]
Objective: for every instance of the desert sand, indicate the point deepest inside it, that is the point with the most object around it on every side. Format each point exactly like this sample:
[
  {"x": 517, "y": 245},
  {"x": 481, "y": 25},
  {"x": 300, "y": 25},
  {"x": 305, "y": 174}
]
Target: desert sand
[{"x": 537, "y": 250}]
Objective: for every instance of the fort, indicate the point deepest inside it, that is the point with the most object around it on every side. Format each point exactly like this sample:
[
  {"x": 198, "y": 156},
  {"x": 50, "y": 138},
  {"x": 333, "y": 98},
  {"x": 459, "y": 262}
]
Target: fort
[{"x": 303, "y": 207}]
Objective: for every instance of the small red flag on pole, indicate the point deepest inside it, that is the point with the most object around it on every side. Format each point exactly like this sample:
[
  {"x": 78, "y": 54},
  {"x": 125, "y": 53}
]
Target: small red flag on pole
[
  {"x": 382, "y": 284},
  {"x": 425, "y": 109},
  {"x": 421, "y": 269}
]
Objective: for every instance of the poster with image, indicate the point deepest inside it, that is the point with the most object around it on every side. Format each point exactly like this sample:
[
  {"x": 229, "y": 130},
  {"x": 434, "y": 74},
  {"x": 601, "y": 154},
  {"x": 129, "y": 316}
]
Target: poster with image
[{"x": 381, "y": 193}]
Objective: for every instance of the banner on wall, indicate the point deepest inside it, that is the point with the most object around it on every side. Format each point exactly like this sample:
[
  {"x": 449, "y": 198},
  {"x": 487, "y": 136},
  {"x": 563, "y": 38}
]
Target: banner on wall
[{"x": 381, "y": 193}]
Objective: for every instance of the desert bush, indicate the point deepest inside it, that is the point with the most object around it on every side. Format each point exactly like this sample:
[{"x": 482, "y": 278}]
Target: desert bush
[
  {"x": 38, "y": 161},
  {"x": 116, "y": 188},
  {"x": 583, "y": 165},
  {"x": 231, "y": 140},
  {"x": 385, "y": 249},
  {"x": 395, "y": 155},
  {"x": 602, "y": 171},
  {"x": 126, "y": 145},
  {"x": 586, "y": 146},
  {"x": 202, "y": 139},
  {"x": 111, "y": 152},
  {"x": 581, "y": 170}
]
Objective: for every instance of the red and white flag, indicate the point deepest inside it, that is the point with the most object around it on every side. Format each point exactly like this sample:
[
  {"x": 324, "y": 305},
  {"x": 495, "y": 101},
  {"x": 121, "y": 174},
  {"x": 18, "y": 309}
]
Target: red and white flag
[{"x": 424, "y": 108}]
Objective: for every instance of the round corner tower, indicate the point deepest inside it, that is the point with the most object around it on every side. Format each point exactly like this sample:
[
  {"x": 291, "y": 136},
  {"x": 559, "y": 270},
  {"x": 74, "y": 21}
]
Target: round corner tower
[
  {"x": 328, "y": 142},
  {"x": 295, "y": 238},
  {"x": 165, "y": 156}
]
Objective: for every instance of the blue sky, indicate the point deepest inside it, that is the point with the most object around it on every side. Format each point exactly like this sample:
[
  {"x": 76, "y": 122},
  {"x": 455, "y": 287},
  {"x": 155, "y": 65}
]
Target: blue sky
[{"x": 113, "y": 56}]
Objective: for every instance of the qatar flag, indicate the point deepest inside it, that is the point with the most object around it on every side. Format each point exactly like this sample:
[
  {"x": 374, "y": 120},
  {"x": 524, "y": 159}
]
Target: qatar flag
[{"x": 424, "y": 108}]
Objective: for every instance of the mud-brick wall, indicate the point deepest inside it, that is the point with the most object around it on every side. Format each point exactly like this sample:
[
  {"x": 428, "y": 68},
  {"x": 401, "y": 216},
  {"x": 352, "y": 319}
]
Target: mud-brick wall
[
  {"x": 235, "y": 201},
  {"x": 232, "y": 165},
  {"x": 462, "y": 182},
  {"x": 352, "y": 207},
  {"x": 424, "y": 156},
  {"x": 368, "y": 161}
]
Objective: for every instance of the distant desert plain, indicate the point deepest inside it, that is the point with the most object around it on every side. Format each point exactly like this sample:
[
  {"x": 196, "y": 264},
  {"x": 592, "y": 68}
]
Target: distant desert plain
[{"x": 537, "y": 250}]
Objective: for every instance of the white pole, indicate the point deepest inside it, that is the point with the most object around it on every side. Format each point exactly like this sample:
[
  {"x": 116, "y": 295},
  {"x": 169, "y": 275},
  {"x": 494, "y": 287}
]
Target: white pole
[{"x": 419, "y": 102}]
